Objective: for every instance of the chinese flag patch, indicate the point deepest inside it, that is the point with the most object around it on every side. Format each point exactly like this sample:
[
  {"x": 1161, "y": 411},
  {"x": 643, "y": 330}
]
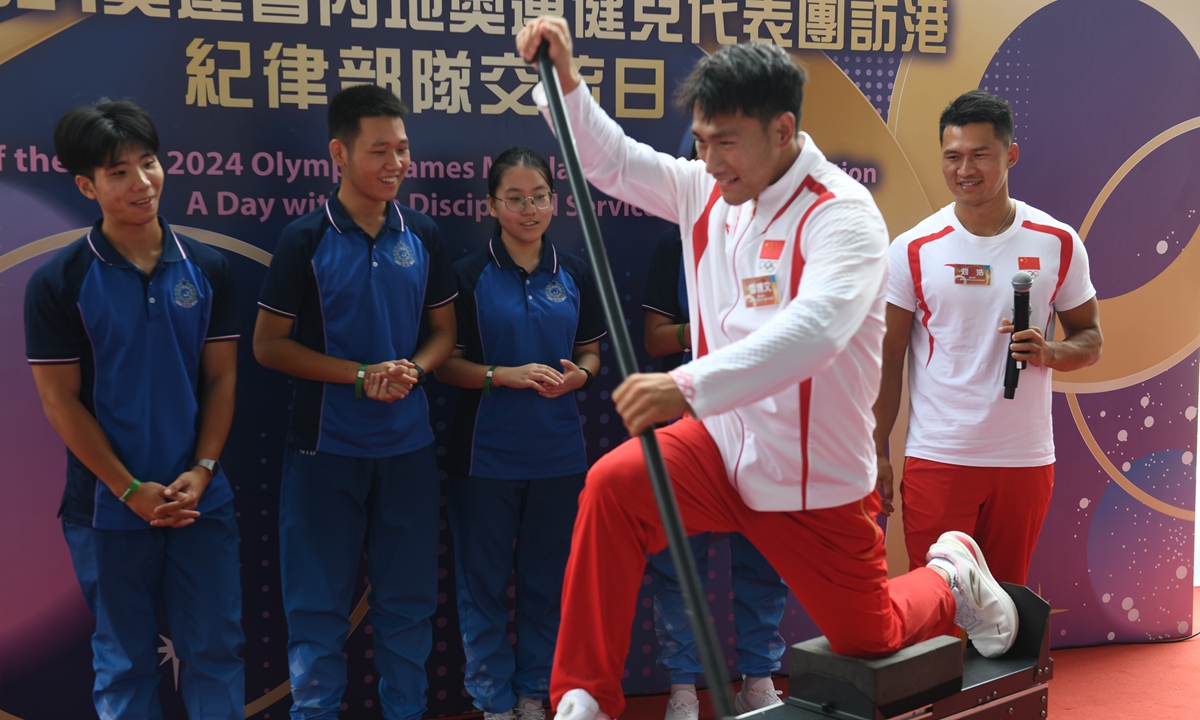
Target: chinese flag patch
[
  {"x": 1029, "y": 263},
  {"x": 771, "y": 250}
]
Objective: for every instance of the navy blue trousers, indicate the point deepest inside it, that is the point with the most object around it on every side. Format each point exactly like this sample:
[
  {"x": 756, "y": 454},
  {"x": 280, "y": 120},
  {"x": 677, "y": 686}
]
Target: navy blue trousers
[
  {"x": 328, "y": 506},
  {"x": 194, "y": 571},
  {"x": 487, "y": 517}
]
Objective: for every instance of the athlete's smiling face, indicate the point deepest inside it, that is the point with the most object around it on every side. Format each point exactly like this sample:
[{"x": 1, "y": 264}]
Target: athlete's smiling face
[
  {"x": 519, "y": 184},
  {"x": 374, "y": 163},
  {"x": 975, "y": 163},
  {"x": 744, "y": 155},
  {"x": 127, "y": 188}
]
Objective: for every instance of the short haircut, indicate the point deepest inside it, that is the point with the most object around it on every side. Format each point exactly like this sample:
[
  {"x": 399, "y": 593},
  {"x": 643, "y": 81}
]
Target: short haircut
[
  {"x": 517, "y": 157},
  {"x": 756, "y": 79},
  {"x": 979, "y": 106},
  {"x": 91, "y": 136},
  {"x": 357, "y": 102}
]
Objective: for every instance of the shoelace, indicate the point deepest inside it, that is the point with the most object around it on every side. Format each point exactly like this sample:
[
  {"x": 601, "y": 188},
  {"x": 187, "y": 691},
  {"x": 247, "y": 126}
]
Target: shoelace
[{"x": 680, "y": 705}]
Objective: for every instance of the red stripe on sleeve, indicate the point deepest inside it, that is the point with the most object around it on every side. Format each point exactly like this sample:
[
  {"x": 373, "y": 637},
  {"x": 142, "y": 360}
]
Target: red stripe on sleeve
[{"x": 1065, "y": 252}]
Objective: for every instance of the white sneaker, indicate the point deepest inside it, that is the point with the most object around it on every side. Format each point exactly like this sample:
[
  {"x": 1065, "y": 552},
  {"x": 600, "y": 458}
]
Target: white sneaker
[
  {"x": 756, "y": 694},
  {"x": 683, "y": 705},
  {"x": 529, "y": 709},
  {"x": 578, "y": 704},
  {"x": 506, "y": 715},
  {"x": 984, "y": 610}
]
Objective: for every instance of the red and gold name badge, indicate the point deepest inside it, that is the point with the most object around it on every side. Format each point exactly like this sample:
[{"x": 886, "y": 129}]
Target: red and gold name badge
[
  {"x": 971, "y": 274},
  {"x": 760, "y": 291}
]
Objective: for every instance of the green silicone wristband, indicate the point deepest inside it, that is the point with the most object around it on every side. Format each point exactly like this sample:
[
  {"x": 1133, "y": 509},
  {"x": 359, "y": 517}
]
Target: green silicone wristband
[
  {"x": 487, "y": 381},
  {"x": 358, "y": 380},
  {"x": 129, "y": 491},
  {"x": 679, "y": 336}
]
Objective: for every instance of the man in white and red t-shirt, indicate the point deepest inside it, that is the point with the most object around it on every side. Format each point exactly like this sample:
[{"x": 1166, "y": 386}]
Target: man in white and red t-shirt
[
  {"x": 785, "y": 261},
  {"x": 974, "y": 461}
]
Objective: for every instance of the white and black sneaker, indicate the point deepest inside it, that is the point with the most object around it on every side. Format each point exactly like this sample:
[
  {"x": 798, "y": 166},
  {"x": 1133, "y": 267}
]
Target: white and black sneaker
[{"x": 984, "y": 610}]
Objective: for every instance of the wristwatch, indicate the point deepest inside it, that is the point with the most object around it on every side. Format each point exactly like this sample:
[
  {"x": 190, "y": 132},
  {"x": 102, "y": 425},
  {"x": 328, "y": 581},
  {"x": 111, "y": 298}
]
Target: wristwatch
[
  {"x": 209, "y": 465},
  {"x": 590, "y": 379},
  {"x": 420, "y": 374}
]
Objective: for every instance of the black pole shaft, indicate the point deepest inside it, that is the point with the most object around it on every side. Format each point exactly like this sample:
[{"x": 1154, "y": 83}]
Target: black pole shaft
[{"x": 711, "y": 656}]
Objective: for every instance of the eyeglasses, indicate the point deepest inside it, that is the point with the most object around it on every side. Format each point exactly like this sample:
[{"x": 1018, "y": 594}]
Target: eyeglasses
[{"x": 541, "y": 201}]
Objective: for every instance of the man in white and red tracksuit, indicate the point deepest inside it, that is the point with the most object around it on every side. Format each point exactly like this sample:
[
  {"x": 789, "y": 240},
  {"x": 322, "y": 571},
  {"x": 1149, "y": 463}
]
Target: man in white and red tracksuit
[{"x": 786, "y": 262}]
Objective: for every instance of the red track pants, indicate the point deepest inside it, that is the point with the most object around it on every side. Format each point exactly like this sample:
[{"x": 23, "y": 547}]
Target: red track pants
[
  {"x": 1002, "y": 508},
  {"x": 832, "y": 559}
]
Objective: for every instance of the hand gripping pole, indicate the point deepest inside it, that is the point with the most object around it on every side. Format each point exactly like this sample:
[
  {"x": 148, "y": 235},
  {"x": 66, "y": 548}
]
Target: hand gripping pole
[{"x": 689, "y": 579}]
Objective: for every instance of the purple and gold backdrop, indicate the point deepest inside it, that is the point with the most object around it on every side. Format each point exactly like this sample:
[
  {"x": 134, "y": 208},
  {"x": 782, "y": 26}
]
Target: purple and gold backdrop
[{"x": 1107, "y": 93}]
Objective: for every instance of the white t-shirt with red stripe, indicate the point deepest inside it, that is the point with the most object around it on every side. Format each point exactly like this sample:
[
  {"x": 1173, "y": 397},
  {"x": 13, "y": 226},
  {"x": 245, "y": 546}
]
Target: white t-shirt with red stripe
[
  {"x": 788, "y": 311},
  {"x": 959, "y": 286}
]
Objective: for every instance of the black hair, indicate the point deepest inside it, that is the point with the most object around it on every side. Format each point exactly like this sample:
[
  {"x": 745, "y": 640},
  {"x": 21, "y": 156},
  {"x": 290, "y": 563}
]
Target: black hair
[
  {"x": 91, "y": 136},
  {"x": 756, "y": 79},
  {"x": 356, "y": 102},
  {"x": 517, "y": 157},
  {"x": 979, "y": 106}
]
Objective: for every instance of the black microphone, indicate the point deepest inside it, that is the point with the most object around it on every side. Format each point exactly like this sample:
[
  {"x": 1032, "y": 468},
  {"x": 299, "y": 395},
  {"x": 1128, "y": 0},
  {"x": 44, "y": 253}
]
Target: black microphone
[{"x": 1021, "y": 283}]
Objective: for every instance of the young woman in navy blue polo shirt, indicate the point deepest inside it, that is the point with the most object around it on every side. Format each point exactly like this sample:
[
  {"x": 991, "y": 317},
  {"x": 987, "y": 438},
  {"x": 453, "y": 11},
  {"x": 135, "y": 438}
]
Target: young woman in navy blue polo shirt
[{"x": 529, "y": 325}]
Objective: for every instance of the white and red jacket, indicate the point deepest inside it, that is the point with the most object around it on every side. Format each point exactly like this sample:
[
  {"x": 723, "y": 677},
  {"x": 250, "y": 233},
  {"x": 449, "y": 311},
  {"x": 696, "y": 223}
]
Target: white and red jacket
[{"x": 788, "y": 311}]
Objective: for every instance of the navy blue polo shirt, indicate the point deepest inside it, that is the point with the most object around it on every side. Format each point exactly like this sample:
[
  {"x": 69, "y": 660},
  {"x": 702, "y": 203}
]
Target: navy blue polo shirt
[
  {"x": 509, "y": 317},
  {"x": 666, "y": 289},
  {"x": 361, "y": 299},
  {"x": 137, "y": 339}
]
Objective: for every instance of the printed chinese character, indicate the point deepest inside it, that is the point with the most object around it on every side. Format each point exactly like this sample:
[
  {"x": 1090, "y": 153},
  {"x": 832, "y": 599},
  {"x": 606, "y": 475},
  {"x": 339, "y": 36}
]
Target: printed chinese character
[
  {"x": 654, "y": 89},
  {"x": 422, "y": 14},
  {"x": 282, "y": 12},
  {"x": 600, "y": 19},
  {"x": 365, "y": 12},
  {"x": 660, "y": 13},
  {"x": 361, "y": 66},
  {"x": 487, "y": 15},
  {"x": 927, "y": 22},
  {"x": 298, "y": 83},
  {"x": 440, "y": 82},
  {"x": 201, "y": 89},
  {"x": 718, "y": 9},
  {"x": 526, "y": 79},
  {"x": 775, "y": 15},
  {"x": 525, "y": 10},
  {"x": 822, "y": 24},
  {"x": 230, "y": 10},
  {"x": 149, "y": 8}
]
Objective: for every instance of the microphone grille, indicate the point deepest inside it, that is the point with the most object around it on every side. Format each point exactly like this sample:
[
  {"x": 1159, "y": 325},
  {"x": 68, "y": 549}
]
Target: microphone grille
[{"x": 1022, "y": 281}]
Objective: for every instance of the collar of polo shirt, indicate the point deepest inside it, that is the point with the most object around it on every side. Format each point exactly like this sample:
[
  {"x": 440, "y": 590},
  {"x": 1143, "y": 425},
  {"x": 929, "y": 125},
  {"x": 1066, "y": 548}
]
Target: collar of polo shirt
[
  {"x": 342, "y": 222},
  {"x": 172, "y": 249},
  {"x": 500, "y": 256}
]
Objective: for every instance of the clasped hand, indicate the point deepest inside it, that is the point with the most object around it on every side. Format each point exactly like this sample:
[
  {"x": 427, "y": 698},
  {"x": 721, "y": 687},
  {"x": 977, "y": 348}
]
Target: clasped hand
[
  {"x": 171, "y": 505},
  {"x": 390, "y": 381}
]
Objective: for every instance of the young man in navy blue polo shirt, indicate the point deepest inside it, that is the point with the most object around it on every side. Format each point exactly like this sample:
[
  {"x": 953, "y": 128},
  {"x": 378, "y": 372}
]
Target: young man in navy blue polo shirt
[
  {"x": 346, "y": 293},
  {"x": 129, "y": 331}
]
